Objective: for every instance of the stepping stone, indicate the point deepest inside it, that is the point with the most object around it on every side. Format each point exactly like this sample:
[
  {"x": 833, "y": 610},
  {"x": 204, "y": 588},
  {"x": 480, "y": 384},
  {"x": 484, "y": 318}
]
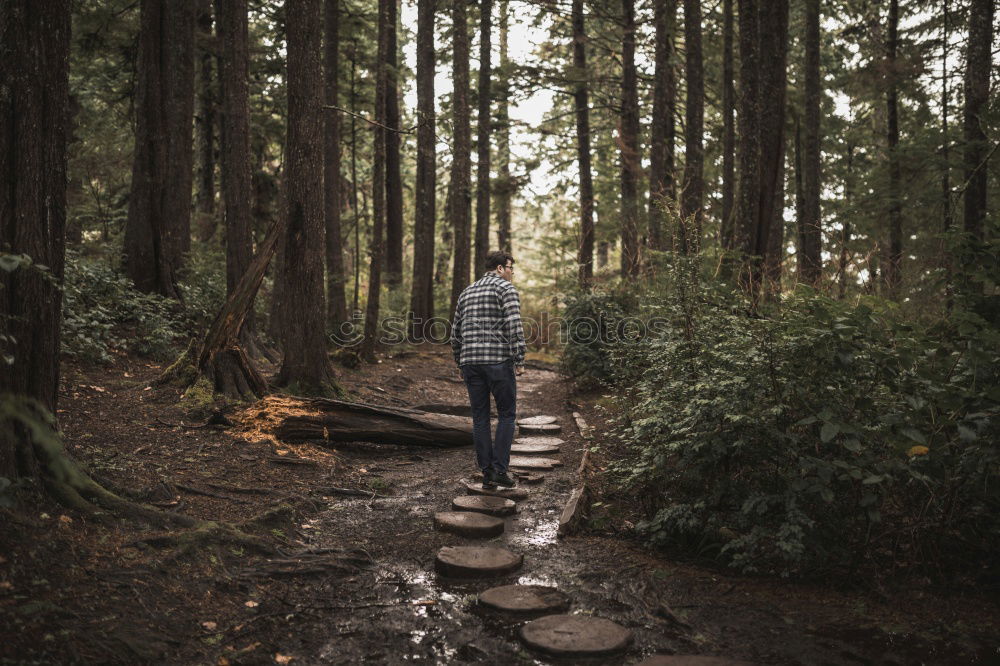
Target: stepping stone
[
  {"x": 476, "y": 561},
  {"x": 551, "y": 441},
  {"x": 690, "y": 660},
  {"x": 531, "y": 462},
  {"x": 492, "y": 506},
  {"x": 546, "y": 429},
  {"x": 528, "y": 477},
  {"x": 524, "y": 599},
  {"x": 468, "y": 524},
  {"x": 537, "y": 420},
  {"x": 523, "y": 446},
  {"x": 575, "y": 636},
  {"x": 476, "y": 488}
]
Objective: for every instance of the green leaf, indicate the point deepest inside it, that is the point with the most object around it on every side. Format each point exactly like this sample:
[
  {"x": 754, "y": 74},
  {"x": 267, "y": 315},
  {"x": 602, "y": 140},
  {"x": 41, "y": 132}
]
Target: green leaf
[
  {"x": 9, "y": 262},
  {"x": 829, "y": 431},
  {"x": 914, "y": 434},
  {"x": 872, "y": 480}
]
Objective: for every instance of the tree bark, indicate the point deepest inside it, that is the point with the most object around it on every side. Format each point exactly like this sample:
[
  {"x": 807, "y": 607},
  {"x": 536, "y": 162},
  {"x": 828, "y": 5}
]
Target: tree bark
[
  {"x": 482, "y": 243},
  {"x": 158, "y": 229},
  {"x": 338, "y": 421},
  {"x": 34, "y": 104},
  {"x": 809, "y": 253},
  {"x": 581, "y": 104},
  {"x": 773, "y": 80},
  {"x": 503, "y": 187},
  {"x": 305, "y": 363},
  {"x": 422, "y": 295},
  {"x": 661, "y": 130},
  {"x": 236, "y": 158},
  {"x": 946, "y": 221},
  {"x": 377, "y": 241},
  {"x": 977, "y": 95},
  {"x": 461, "y": 165},
  {"x": 628, "y": 139},
  {"x": 333, "y": 197},
  {"x": 727, "y": 232},
  {"x": 393, "y": 178},
  {"x": 748, "y": 195},
  {"x": 893, "y": 267},
  {"x": 222, "y": 359},
  {"x": 692, "y": 197},
  {"x": 205, "y": 122}
]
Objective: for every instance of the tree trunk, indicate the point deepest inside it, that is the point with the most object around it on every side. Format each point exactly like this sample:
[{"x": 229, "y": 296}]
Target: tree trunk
[
  {"x": 482, "y": 243},
  {"x": 661, "y": 130},
  {"x": 748, "y": 195},
  {"x": 893, "y": 268},
  {"x": 977, "y": 95},
  {"x": 205, "y": 123},
  {"x": 809, "y": 254},
  {"x": 461, "y": 166},
  {"x": 236, "y": 158},
  {"x": 158, "y": 229},
  {"x": 377, "y": 241},
  {"x": 694, "y": 118},
  {"x": 354, "y": 179},
  {"x": 727, "y": 232},
  {"x": 946, "y": 222},
  {"x": 845, "y": 232},
  {"x": 305, "y": 363},
  {"x": 337, "y": 421},
  {"x": 393, "y": 178},
  {"x": 773, "y": 80},
  {"x": 222, "y": 359},
  {"x": 422, "y": 295},
  {"x": 628, "y": 139},
  {"x": 581, "y": 103},
  {"x": 336, "y": 302},
  {"x": 503, "y": 188},
  {"x": 34, "y": 104}
]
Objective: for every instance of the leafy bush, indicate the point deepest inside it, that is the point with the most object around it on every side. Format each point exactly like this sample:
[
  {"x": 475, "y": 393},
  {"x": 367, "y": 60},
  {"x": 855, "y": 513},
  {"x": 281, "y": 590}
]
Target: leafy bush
[
  {"x": 593, "y": 327},
  {"x": 827, "y": 436},
  {"x": 102, "y": 312}
]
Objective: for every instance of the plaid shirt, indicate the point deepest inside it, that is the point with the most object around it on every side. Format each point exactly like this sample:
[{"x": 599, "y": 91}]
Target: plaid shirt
[{"x": 487, "y": 324}]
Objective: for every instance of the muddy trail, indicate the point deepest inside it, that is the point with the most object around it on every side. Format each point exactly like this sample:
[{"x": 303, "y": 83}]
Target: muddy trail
[{"x": 76, "y": 591}]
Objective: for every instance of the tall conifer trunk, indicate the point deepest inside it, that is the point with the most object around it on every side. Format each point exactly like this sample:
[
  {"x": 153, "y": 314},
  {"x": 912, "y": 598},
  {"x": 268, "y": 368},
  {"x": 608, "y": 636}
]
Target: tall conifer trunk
[
  {"x": 893, "y": 267},
  {"x": 628, "y": 139},
  {"x": 661, "y": 130},
  {"x": 460, "y": 195},
  {"x": 158, "y": 229},
  {"x": 503, "y": 188},
  {"x": 422, "y": 295},
  {"x": 581, "y": 104},
  {"x": 694, "y": 118},
  {"x": 336, "y": 301},
  {"x": 810, "y": 261},
  {"x": 393, "y": 176},
  {"x": 483, "y": 121},
  {"x": 977, "y": 95}
]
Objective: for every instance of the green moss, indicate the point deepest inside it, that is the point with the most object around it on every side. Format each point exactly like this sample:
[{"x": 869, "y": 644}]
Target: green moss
[{"x": 199, "y": 399}]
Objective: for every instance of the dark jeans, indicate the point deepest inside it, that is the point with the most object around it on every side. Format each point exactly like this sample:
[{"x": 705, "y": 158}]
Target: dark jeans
[{"x": 482, "y": 381}]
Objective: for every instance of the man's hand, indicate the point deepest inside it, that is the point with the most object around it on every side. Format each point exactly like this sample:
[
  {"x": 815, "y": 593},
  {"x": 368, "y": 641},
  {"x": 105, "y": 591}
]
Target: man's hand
[{"x": 519, "y": 370}]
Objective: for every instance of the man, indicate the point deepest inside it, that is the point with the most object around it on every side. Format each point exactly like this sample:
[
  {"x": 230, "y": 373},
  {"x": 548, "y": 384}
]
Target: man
[{"x": 487, "y": 340}]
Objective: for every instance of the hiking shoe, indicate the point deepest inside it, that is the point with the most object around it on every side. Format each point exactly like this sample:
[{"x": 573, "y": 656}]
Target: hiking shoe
[
  {"x": 488, "y": 480},
  {"x": 503, "y": 480}
]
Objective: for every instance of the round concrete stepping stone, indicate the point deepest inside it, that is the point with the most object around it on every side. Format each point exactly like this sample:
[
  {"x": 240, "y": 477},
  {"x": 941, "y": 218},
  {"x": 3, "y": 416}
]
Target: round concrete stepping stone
[
  {"x": 476, "y": 561},
  {"x": 547, "y": 429},
  {"x": 575, "y": 636},
  {"x": 532, "y": 462},
  {"x": 524, "y": 599},
  {"x": 537, "y": 420},
  {"x": 540, "y": 439},
  {"x": 468, "y": 524},
  {"x": 534, "y": 447},
  {"x": 488, "y": 504},
  {"x": 690, "y": 660},
  {"x": 528, "y": 477},
  {"x": 476, "y": 488}
]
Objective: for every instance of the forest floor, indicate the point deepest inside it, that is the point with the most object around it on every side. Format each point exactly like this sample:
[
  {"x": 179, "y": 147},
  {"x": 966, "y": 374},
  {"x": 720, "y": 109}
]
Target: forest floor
[{"x": 75, "y": 590}]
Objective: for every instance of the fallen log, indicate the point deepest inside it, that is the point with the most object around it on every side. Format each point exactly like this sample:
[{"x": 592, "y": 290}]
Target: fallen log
[{"x": 329, "y": 420}]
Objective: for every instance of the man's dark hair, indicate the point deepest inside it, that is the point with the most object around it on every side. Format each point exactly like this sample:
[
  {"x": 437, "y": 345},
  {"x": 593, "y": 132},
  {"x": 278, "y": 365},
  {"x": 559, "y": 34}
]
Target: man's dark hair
[{"x": 497, "y": 258}]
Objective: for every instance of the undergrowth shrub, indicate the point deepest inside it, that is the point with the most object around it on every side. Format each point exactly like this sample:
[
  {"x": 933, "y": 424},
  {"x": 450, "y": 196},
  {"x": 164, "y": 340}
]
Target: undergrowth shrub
[
  {"x": 826, "y": 436},
  {"x": 593, "y": 326}
]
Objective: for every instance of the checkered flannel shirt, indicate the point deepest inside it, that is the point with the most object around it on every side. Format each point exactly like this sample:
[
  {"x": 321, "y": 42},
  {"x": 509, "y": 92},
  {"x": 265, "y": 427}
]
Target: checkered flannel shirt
[{"x": 487, "y": 325}]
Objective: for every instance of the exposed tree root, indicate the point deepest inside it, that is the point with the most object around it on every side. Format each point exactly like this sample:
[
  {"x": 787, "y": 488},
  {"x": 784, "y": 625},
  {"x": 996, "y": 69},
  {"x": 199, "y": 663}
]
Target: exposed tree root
[{"x": 73, "y": 488}]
